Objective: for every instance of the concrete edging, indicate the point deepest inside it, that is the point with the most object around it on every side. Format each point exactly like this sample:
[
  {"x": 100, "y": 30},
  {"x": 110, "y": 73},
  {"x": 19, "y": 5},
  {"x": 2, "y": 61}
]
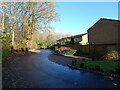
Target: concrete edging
[{"x": 102, "y": 73}]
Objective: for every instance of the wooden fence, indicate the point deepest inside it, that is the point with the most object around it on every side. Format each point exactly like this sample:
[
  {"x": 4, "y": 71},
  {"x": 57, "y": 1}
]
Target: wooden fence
[{"x": 96, "y": 50}]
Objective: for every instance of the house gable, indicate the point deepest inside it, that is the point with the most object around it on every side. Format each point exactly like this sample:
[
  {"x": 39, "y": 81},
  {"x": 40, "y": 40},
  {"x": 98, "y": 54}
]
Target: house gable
[{"x": 103, "y": 32}]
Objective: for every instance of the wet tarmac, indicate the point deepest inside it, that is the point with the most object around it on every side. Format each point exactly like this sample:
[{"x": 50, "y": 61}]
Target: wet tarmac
[{"x": 37, "y": 71}]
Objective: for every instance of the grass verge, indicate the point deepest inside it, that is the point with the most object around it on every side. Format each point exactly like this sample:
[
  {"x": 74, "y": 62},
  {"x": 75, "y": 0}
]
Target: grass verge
[
  {"x": 106, "y": 66},
  {"x": 7, "y": 56}
]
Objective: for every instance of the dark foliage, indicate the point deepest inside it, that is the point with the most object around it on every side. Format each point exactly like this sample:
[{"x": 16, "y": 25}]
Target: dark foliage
[{"x": 72, "y": 41}]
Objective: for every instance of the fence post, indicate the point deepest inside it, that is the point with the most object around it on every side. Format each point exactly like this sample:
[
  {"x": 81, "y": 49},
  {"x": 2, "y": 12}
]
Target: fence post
[
  {"x": 89, "y": 48},
  {"x": 94, "y": 51}
]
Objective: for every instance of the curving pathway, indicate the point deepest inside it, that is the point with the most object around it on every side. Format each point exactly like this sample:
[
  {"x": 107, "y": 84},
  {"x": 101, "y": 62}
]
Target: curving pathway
[{"x": 37, "y": 71}]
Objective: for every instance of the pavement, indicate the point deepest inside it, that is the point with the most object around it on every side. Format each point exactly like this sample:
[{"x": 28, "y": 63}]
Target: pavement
[{"x": 39, "y": 71}]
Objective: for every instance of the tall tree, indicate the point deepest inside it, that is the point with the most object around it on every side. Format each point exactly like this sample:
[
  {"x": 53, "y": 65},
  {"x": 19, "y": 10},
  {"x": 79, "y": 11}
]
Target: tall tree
[{"x": 27, "y": 18}]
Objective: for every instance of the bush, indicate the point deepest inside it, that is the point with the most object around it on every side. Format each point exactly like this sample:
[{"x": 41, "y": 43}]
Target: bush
[
  {"x": 35, "y": 45},
  {"x": 66, "y": 52},
  {"x": 67, "y": 42},
  {"x": 42, "y": 46},
  {"x": 97, "y": 67},
  {"x": 82, "y": 65},
  {"x": 63, "y": 43},
  {"x": 70, "y": 52},
  {"x": 112, "y": 55},
  {"x": 117, "y": 71},
  {"x": 56, "y": 47},
  {"x": 5, "y": 53},
  {"x": 72, "y": 41},
  {"x": 58, "y": 51}
]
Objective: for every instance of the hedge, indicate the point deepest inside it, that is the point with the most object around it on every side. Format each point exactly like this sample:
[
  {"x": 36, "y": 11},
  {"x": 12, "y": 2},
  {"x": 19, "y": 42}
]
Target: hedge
[{"x": 66, "y": 52}]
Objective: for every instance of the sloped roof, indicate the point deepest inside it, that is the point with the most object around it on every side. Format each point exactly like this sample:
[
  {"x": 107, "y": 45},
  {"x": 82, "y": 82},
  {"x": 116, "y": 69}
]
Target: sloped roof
[
  {"x": 102, "y": 19},
  {"x": 78, "y": 36},
  {"x": 75, "y": 36}
]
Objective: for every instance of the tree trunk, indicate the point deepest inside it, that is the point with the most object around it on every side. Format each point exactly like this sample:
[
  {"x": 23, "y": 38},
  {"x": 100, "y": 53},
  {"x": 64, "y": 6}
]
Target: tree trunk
[{"x": 12, "y": 47}]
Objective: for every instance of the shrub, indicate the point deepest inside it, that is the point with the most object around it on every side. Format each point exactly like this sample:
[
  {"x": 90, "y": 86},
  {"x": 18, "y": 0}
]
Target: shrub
[
  {"x": 112, "y": 55},
  {"x": 42, "y": 46},
  {"x": 67, "y": 42},
  {"x": 69, "y": 52},
  {"x": 62, "y": 43},
  {"x": 117, "y": 71},
  {"x": 56, "y": 47},
  {"x": 72, "y": 41},
  {"x": 82, "y": 65},
  {"x": 58, "y": 51},
  {"x": 5, "y": 53},
  {"x": 97, "y": 67},
  {"x": 66, "y": 52}
]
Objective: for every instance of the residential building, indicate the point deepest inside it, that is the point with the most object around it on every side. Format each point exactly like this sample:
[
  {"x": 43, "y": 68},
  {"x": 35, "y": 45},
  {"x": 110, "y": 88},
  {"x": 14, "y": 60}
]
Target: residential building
[
  {"x": 104, "y": 31},
  {"x": 81, "y": 39},
  {"x": 78, "y": 39},
  {"x": 84, "y": 39}
]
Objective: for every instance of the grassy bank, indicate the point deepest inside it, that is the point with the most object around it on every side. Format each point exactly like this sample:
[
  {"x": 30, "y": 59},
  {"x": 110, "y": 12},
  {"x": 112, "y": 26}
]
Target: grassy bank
[
  {"x": 106, "y": 66},
  {"x": 7, "y": 56},
  {"x": 5, "y": 53}
]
